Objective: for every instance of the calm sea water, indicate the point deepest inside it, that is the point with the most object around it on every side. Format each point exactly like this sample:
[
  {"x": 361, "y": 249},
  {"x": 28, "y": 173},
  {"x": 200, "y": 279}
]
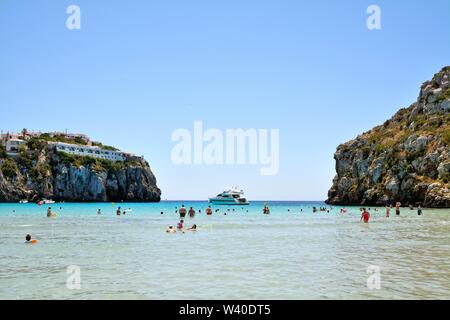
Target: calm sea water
[{"x": 288, "y": 254}]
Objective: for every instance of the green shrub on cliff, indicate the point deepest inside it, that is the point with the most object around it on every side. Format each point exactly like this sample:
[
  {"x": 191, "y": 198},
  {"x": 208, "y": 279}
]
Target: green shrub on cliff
[
  {"x": 446, "y": 137},
  {"x": 75, "y": 160},
  {"x": 61, "y": 138},
  {"x": 101, "y": 145},
  {"x": 111, "y": 165},
  {"x": 36, "y": 144},
  {"x": 446, "y": 177},
  {"x": 2, "y": 152},
  {"x": 26, "y": 157},
  {"x": 9, "y": 168},
  {"x": 96, "y": 164},
  {"x": 40, "y": 171},
  {"x": 445, "y": 95}
]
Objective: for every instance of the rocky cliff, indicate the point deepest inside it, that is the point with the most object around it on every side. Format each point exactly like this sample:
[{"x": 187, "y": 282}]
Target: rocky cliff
[
  {"x": 39, "y": 171},
  {"x": 406, "y": 159}
]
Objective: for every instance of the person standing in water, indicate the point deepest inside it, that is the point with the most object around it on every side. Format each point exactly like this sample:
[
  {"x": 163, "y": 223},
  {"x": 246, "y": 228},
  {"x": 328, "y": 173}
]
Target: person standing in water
[
  {"x": 191, "y": 212},
  {"x": 119, "y": 211},
  {"x": 209, "y": 211},
  {"x": 397, "y": 208},
  {"x": 365, "y": 216},
  {"x": 266, "y": 209},
  {"x": 50, "y": 213},
  {"x": 388, "y": 211},
  {"x": 99, "y": 211},
  {"x": 419, "y": 210},
  {"x": 182, "y": 211}
]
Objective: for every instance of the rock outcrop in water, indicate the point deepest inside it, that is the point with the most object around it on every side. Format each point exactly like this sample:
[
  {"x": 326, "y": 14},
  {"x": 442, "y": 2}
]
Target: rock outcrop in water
[
  {"x": 406, "y": 159},
  {"x": 40, "y": 171}
]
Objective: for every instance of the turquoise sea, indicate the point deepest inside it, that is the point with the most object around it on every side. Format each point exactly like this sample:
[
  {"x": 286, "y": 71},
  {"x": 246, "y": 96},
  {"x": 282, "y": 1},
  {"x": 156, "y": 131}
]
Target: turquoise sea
[{"x": 289, "y": 254}]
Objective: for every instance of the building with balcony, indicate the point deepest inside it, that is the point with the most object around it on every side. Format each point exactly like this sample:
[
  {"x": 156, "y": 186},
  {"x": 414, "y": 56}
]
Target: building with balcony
[{"x": 91, "y": 151}]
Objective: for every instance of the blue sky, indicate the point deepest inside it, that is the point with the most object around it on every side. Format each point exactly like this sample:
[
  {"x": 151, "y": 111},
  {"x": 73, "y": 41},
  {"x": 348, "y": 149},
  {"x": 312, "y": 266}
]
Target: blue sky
[{"x": 138, "y": 70}]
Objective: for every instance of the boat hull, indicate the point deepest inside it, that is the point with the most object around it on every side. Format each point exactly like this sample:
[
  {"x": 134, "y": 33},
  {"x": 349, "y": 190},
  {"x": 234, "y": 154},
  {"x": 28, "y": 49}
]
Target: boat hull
[{"x": 227, "y": 202}]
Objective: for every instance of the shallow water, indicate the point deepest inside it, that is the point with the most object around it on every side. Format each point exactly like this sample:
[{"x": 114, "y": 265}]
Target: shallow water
[{"x": 243, "y": 255}]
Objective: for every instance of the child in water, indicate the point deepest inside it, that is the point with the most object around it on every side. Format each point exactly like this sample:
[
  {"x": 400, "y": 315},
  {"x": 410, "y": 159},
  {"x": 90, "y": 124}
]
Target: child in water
[{"x": 28, "y": 240}]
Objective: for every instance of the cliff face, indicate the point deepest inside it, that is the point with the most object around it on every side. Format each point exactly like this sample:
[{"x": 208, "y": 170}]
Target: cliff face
[
  {"x": 41, "y": 172},
  {"x": 406, "y": 159}
]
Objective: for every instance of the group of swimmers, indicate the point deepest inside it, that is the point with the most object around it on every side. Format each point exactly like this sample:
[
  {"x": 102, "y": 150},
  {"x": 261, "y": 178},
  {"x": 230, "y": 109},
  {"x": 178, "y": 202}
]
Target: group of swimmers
[
  {"x": 180, "y": 228},
  {"x": 183, "y": 212},
  {"x": 321, "y": 209},
  {"x": 192, "y": 212},
  {"x": 118, "y": 211},
  {"x": 365, "y": 215}
]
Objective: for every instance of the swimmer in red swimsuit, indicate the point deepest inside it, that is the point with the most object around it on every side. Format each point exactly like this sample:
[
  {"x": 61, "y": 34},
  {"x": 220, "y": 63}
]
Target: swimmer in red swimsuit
[{"x": 365, "y": 216}]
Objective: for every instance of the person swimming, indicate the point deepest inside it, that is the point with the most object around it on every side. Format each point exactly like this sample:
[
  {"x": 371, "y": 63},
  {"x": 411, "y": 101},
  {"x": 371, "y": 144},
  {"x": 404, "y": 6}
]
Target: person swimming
[
  {"x": 28, "y": 240},
  {"x": 193, "y": 228},
  {"x": 171, "y": 229}
]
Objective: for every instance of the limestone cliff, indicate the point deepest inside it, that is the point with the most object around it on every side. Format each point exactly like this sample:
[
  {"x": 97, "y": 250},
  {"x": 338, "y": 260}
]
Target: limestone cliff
[
  {"x": 39, "y": 171},
  {"x": 406, "y": 159}
]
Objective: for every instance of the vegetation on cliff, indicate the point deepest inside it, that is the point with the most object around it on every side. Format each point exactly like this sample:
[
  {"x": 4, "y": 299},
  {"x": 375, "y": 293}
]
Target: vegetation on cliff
[
  {"x": 39, "y": 171},
  {"x": 406, "y": 159}
]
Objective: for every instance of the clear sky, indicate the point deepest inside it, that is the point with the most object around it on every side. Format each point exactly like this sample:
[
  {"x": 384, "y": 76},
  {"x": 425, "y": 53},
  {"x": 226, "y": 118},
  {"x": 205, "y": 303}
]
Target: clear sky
[{"x": 138, "y": 70}]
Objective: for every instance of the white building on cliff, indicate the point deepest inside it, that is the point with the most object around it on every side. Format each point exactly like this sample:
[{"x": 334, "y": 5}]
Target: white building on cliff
[
  {"x": 91, "y": 151},
  {"x": 11, "y": 142}
]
